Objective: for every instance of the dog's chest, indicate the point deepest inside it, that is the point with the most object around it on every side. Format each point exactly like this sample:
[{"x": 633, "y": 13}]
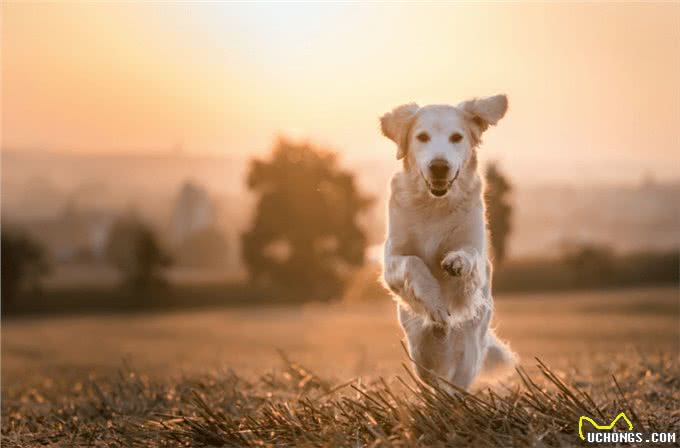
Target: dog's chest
[
  {"x": 431, "y": 240},
  {"x": 429, "y": 229},
  {"x": 430, "y": 237}
]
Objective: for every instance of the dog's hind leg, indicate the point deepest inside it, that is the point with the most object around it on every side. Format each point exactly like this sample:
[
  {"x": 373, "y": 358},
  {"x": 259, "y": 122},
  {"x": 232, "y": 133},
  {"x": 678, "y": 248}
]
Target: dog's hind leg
[
  {"x": 429, "y": 345},
  {"x": 498, "y": 355},
  {"x": 471, "y": 343},
  {"x": 451, "y": 354}
]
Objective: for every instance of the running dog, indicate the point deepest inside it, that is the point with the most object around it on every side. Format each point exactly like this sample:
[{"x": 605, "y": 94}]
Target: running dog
[{"x": 435, "y": 260}]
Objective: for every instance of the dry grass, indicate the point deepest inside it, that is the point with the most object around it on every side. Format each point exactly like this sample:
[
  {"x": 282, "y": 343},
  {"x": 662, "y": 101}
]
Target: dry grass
[
  {"x": 294, "y": 407},
  {"x": 63, "y": 385}
]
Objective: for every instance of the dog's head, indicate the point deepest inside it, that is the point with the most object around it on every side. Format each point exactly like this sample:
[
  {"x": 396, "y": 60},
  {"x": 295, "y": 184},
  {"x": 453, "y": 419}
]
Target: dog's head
[{"x": 439, "y": 141}]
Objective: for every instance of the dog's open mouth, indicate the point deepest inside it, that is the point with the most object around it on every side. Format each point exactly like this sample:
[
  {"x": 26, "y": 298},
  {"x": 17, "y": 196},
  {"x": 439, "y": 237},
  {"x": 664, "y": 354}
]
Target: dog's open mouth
[
  {"x": 439, "y": 188},
  {"x": 439, "y": 193}
]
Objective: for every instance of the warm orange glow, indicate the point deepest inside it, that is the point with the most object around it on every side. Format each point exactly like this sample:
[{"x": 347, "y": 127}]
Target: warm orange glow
[{"x": 597, "y": 83}]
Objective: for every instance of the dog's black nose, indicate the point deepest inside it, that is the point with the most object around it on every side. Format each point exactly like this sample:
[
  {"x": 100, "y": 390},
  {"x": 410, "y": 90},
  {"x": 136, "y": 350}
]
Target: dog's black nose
[{"x": 439, "y": 168}]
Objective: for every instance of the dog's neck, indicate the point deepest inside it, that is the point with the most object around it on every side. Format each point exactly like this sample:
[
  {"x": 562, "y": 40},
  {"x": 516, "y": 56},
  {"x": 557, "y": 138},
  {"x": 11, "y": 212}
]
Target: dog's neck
[{"x": 409, "y": 190}]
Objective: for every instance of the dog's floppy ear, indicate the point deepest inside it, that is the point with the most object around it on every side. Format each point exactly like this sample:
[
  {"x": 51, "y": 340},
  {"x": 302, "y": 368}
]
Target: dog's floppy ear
[
  {"x": 485, "y": 111},
  {"x": 396, "y": 124}
]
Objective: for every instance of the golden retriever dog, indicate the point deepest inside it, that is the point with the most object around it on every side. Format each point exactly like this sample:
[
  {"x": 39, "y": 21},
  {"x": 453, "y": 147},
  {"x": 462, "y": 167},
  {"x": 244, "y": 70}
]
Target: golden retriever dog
[{"x": 435, "y": 260}]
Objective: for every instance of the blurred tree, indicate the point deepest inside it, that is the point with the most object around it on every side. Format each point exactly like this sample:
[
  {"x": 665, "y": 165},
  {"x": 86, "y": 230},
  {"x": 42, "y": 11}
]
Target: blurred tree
[
  {"x": 498, "y": 210},
  {"x": 134, "y": 249},
  {"x": 193, "y": 212},
  {"x": 24, "y": 263},
  {"x": 198, "y": 239},
  {"x": 304, "y": 238}
]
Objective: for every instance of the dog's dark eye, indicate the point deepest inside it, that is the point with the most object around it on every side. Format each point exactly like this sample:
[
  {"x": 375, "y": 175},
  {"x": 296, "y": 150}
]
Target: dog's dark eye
[
  {"x": 423, "y": 137},
  {"x": 455, "y": 137}
]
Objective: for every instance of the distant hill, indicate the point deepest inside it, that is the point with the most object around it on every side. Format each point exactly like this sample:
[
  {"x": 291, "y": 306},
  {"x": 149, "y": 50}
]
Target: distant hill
[
  {"x": 626, "y": 218},
  {"x": 39, "y": 183}
]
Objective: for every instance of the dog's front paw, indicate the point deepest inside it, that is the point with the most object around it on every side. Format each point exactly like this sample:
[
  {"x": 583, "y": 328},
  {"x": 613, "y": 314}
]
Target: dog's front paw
[{"x": 458, "y": 264}]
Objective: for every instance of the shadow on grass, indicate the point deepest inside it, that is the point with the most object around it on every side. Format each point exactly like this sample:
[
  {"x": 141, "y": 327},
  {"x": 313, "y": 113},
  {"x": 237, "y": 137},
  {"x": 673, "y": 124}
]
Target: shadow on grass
[{"x": 109, "y": 300}]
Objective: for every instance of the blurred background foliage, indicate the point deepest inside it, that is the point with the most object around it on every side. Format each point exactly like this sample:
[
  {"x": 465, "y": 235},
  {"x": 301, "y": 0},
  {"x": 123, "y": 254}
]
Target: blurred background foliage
[
  {"x": 305, "y": 237},
  {"x": 312, "y": 233},
  {"x": 134, "y": 249},
  {"x": 497, "y": 193},
  {"x": 24, "y": 263}
]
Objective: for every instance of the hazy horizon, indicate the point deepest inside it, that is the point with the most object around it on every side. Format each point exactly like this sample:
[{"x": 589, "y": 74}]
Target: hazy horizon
[
  {"x": 615, "y": 176},
  {"x": 44, "y": 187}
]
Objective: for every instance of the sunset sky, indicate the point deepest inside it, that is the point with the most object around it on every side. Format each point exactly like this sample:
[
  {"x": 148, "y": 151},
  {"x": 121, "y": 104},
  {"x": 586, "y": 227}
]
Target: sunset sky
[{"x": 594, "y": 88}]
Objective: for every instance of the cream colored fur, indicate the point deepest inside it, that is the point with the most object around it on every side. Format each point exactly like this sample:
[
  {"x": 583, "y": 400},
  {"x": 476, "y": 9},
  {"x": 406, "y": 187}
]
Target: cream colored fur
[{"x": 435, "y": 261}]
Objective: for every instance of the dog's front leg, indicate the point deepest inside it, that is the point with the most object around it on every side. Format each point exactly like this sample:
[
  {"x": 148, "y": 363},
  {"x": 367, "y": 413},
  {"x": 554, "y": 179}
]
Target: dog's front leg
[
  {"x": 410, "y": 278},
  {"x": 470, "y": 267}
]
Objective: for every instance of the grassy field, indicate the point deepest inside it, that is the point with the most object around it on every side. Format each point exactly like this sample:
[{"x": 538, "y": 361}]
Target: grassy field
[{"x": 335, "y": 375}]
